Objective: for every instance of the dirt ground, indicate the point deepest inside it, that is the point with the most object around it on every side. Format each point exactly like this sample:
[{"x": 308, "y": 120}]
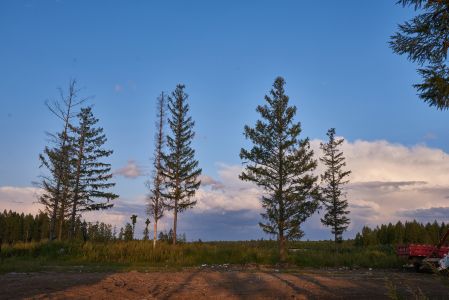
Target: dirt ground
[{"x": 204, "y": 283}]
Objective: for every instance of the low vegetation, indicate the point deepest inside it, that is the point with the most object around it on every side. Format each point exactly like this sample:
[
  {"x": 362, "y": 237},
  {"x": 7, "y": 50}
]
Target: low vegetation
[
  {"x": 25, "y": 248},
  {"x": 126, "y": 255}
]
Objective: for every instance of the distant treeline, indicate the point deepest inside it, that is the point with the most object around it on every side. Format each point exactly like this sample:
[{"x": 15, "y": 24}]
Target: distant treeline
[
  {"x": 402, "y": 233},
  {"x": 19, "y": 227},
  {"x": 15, "y": 227}
]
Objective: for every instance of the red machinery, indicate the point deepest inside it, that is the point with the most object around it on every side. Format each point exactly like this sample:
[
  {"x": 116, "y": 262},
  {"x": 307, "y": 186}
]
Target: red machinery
[{"x": 420, "y": 255}]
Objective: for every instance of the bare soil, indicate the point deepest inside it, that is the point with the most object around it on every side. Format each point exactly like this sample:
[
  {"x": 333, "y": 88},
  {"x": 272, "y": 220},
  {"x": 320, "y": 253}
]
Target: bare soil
[{"x": 209, "y": 283}]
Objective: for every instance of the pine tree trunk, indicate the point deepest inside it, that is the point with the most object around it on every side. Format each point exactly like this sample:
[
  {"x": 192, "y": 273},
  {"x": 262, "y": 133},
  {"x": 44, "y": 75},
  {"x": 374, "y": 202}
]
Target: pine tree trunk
[
  {"x": 73, "y": 214},
  {"x": 54, "y": 215},
  {"x": 61, "y": 221},
  {"x": 282, "y": 250},
  {"x": 76, "y": 191},
  {"x": 72, "y": 220},
  {"x": 155, "y": 234},
  {"x": 175, "y": 221},
  {"x": 66, "y": 117}
]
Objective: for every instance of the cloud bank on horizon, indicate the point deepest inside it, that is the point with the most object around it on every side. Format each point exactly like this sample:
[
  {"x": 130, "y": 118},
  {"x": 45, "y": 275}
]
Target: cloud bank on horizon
[{"x": 389, "y": 182}]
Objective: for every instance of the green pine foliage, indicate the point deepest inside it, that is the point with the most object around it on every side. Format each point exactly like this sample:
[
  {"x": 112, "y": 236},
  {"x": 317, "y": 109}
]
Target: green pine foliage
[
  {"x": 168, "y": 237},
  {"x": 55, "y": 184},
  {"x": 282, "y": 165},
  {"x": 180, "y": 168},
  {"x": 97, "y": 232},
  {"x": 76, "y": 178},
  {"x": 128, "y": 233},
  {"x": 402, "y": 233},
  {"x": 333, "y": 180},
  {"x": 425, "y": 40},
  {"x": 91, "y": 175},
  {"x": 15, "y": 227}
]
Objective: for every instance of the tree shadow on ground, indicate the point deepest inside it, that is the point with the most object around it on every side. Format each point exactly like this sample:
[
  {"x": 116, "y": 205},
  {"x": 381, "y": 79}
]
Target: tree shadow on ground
[
  {"x": 299, "y": 290},
  {"x": 177, "y": 289},
  {"x": 198, "y": 283},
  {"x": 43, "y": 284}
]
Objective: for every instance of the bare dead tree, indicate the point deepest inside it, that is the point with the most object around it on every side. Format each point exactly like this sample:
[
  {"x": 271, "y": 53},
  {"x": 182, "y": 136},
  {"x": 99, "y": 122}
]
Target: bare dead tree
[
  {"x": 56, "y": 158},
  {"x": 155, "y": 199}
]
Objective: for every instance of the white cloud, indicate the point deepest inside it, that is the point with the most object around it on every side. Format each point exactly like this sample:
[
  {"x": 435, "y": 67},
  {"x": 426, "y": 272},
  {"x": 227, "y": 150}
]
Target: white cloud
[
  {"x": 20, "y": 199},
  {"x": 232, "y": 194},
  {"x": 131, "y": 170},
  {"x": 389, "y": 181},
  {"x": 207, "y": 181}
]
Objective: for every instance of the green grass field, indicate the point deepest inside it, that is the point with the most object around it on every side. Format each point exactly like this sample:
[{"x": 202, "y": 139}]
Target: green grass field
[{"x": 140, "y": 255}]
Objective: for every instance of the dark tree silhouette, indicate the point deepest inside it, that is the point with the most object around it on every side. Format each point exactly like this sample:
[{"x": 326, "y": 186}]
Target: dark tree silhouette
[
  {"x": 91, "y": 177},
  {"x": 425, "y": 40},
  {"x": 180, "y": 168},
  {"x": 57, "y": 160},
  {"x": 282, "y": 165},
  {"x": 333, "y": 179},
  {"x": 146, "y": 231},
  {"x": 133, "y": 221},
  {"x": 128, "y": 233}
]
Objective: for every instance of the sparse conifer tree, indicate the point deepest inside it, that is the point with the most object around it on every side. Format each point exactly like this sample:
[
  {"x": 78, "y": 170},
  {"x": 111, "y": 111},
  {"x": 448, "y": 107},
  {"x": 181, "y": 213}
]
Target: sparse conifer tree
[
  {"x": 180, "y": 168},
  {"x": 128, "y": 234},
  {"x": 282, "y": 165},
  {"x": 333, "y": 180},
  {"x": 91, "y": 175}
]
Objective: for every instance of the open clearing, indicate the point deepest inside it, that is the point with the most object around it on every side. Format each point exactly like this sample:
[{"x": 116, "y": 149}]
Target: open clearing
[{"x": 206, "y": 283}]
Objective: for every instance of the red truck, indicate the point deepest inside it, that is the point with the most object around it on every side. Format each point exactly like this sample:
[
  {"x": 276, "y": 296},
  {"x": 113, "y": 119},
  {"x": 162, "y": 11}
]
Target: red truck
[{"x": 422, "y": 255}]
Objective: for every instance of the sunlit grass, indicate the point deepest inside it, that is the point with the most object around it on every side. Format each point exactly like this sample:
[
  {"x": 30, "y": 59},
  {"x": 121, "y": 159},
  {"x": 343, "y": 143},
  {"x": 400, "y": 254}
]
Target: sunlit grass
[{"x": 140, "y": 254}]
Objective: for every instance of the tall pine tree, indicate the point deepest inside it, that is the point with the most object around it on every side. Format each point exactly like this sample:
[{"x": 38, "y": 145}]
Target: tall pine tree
[
  {"x": 425, "y": 40},
  {"x": 282, "y": 164},
  {"x": 333, "y": 179},
  {"x": 155, "y": 200},
  {"x": 180, "y": 168},
  {"x": 91, "y": 175}
]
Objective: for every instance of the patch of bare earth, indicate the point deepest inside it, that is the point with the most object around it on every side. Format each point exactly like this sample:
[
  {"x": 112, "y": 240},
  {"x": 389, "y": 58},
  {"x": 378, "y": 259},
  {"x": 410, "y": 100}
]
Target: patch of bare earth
[{"x": 224, "y": 284}]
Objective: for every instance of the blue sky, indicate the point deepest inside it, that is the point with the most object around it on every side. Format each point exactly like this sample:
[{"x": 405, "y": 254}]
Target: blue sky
[{"x": 334, "y": 56}]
